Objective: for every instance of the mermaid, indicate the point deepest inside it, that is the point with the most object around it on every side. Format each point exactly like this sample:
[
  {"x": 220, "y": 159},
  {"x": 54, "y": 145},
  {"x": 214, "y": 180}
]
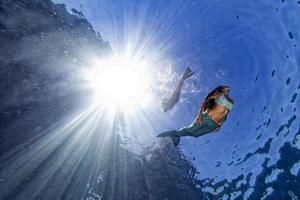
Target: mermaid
[{"x": 212, "y": 114}]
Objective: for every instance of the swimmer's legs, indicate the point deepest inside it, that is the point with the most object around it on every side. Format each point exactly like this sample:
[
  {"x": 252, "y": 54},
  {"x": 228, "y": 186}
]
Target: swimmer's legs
[
  {"x": 188, "y": 73},
  {"x": 167, "y": 104},
  {"x": 176, "y": 94}
]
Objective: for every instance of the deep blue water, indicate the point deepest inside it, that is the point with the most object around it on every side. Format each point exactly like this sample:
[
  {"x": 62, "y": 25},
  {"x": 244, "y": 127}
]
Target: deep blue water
[{"x": 253, "y": 46}]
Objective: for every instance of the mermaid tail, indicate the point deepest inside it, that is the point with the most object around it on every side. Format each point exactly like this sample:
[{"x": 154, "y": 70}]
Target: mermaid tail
[
  {"x": 167, "y": 133},
  {"x": 172, "y": 134},
  {"x": 194, "y": 130},
  {"x": 175, "y": 140}
]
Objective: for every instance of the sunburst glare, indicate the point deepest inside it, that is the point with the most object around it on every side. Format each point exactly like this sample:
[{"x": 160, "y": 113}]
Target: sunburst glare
[{"x": 120, "y": 82}]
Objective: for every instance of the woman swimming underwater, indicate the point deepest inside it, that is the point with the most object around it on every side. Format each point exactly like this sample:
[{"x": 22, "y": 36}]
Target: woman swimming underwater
[{"x": 212, "y": 114}]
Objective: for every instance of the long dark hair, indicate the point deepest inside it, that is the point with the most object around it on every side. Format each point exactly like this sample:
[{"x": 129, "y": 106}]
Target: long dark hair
[{"x": 218, "y": 89}]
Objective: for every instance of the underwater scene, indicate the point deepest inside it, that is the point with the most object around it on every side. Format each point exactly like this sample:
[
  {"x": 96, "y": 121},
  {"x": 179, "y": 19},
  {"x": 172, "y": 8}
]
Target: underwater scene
[{"x": 149, "y": 99}]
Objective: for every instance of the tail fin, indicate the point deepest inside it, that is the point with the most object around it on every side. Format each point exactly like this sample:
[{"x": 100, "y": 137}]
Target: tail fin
[
  {"x": 175, "y": 140},
  {"x": 167, "y": 134},
  {"x": 172, "y": 135}
]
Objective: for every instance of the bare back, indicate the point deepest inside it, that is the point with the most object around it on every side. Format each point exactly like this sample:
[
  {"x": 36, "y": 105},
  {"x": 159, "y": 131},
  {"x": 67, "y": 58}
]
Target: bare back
[{"x": 217, "y": 112}]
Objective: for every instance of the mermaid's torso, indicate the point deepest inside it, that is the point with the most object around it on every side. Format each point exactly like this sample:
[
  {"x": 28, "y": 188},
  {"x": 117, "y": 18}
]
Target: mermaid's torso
[{"x": 220, "y": 110}]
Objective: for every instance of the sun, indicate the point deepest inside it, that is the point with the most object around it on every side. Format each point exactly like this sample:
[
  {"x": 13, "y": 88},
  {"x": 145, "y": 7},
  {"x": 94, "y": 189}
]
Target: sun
[{"x": 119, "y": 82}]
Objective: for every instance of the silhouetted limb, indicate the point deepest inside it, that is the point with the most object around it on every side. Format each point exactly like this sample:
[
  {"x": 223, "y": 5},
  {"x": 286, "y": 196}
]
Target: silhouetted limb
[{"x": 169, "y": 103}]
